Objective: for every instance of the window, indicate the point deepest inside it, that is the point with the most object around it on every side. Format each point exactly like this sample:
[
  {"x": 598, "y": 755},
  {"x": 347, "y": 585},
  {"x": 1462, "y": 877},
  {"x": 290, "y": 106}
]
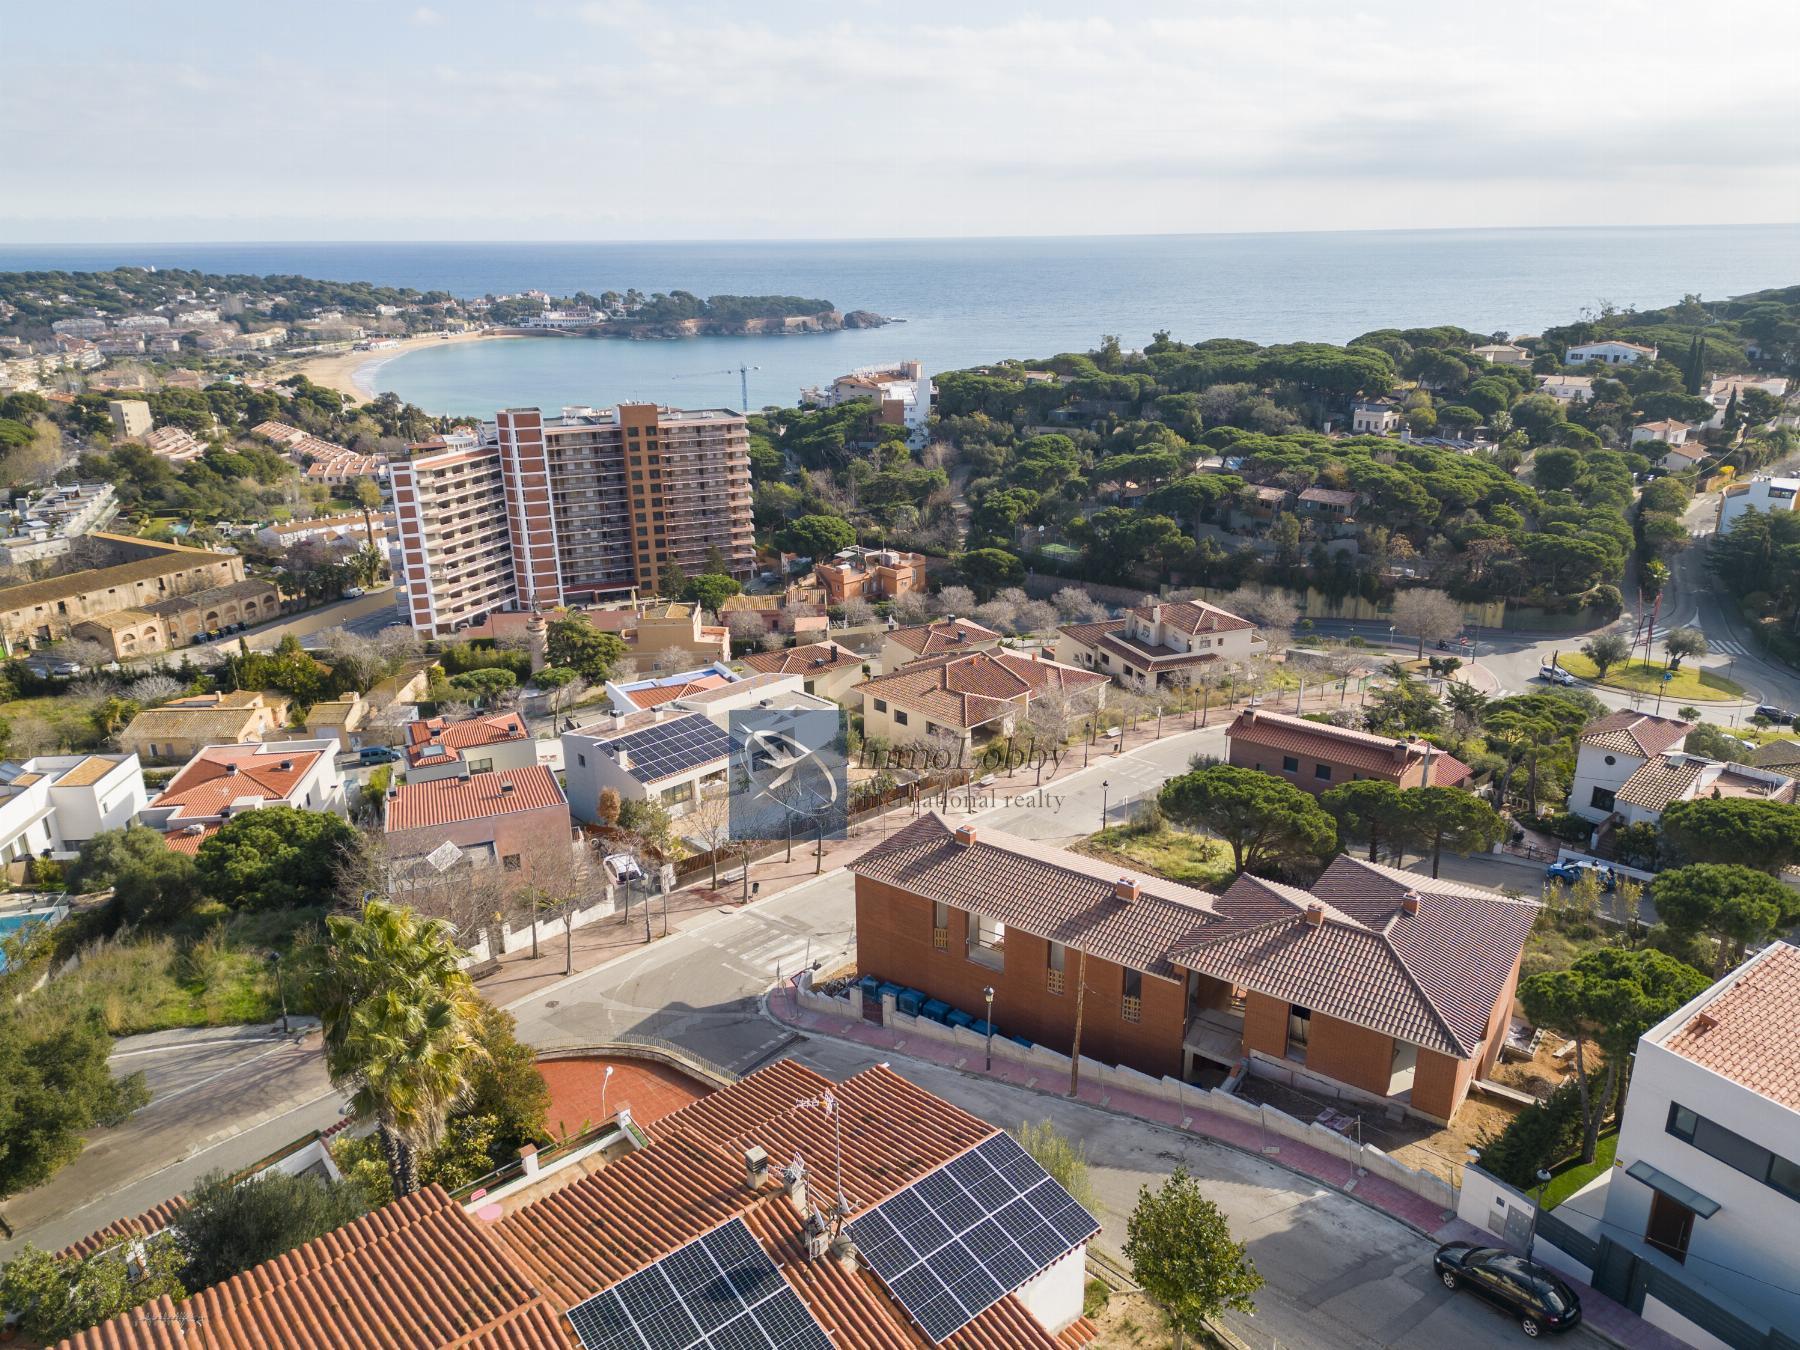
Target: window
[
  {"x": 899, "y": 717},
  {"x": 881, "y": 705},
  {"x": 1054, "y": 955},
  {"x": 1322, "y": 772},
  {"x": 481, "y": 765},
  {"x": 987, "y": 941},
  {"x": 1131, "y": 1005},
  {"x": 1732, "y": 1149},
  {"x": 1299, "y": 1028},
  {"x": 511, "y": 862},
  {"x": 1602, "y": 799},
  {"x": 581, "y": 760},
  {"x": 940, "y": 927},
  {"x": 1289, "y": 764}
]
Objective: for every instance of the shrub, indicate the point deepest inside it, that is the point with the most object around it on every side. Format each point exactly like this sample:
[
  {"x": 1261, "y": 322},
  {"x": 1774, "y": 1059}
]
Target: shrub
[{"x": 1537, "y": 1137}]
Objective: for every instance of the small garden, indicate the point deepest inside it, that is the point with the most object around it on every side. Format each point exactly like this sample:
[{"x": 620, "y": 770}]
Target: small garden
[
  {"x": 1646, "y": 677},
  {"x": 1190, "y": 859}
]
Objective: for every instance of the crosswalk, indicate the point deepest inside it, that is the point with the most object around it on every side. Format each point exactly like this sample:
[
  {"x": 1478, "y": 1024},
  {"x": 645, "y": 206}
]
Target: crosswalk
[{"x": 1718, "y": 646}]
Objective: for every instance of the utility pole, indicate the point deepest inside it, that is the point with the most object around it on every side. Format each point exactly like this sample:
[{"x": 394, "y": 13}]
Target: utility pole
[{"x": 1080, "y": 1004}]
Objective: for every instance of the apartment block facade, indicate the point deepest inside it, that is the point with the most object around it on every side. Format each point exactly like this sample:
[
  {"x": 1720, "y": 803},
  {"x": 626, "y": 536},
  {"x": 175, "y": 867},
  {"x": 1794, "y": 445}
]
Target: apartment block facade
[{"x": 536, "y": 511}]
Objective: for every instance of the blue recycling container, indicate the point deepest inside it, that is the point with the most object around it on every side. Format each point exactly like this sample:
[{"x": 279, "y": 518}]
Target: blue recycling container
[
  {"x": 887, "y": 988},
  {"x": 908, "y": 1001},
  {"x": 870, "y": 986},
  {"x": 936, "y": 1009},
  {"x": 959, "y": 1018}
]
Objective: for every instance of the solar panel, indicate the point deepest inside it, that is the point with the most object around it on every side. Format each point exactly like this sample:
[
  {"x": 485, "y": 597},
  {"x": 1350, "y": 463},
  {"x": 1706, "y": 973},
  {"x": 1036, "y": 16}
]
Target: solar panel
[
  {"x": 673, "y": 747},
  {"x": 718, "y": 1292},
  {"x": 961, "y": 1238}
]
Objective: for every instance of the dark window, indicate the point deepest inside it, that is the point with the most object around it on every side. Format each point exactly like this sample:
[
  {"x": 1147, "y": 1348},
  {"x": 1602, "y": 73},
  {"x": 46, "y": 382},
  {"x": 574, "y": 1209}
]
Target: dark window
[
  {"x": 582, "y": 760},
  {"x": 1322, "y": 772},
  {"x": 1602, "y": 799},
  {"x": 880, "y": 705},
  {"x": 1732, "y": 1149},
  {"x": 1134, "y": 984},
  {"x": 1289, "y": 764},
  {"x": 899, "y": 717}
]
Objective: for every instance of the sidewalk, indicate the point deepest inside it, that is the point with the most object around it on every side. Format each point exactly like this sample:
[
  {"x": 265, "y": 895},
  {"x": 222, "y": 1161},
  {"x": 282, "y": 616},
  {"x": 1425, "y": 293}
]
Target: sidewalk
[{"x": 1606, "y": 1318}]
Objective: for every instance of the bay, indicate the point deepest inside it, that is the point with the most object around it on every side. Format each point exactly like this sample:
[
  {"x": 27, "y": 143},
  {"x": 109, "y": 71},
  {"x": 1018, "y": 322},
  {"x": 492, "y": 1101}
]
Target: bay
[{"x": 966, "y": 301}]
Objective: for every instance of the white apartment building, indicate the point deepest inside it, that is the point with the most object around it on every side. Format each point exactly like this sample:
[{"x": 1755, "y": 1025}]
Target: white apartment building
[
  {"x": 1609, "y": 353},
  {"x": 44, "y": 524},
  {"x": 901, "y": 391},
  {"x": 1707, "y": 1178},
  {"x": 455, "y": 549},
  {"x": 54, "y": 804},
  {"x": 1759, "y": 494},
  {"x": 1567, "y": 388},
  {"x": 130, "y": 417},
  {"x": 1611, "y": 750}
]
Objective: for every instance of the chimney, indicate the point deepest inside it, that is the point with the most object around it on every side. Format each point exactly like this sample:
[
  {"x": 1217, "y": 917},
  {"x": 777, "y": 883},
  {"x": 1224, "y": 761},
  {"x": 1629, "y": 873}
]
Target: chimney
[
  {"x": 793, "y": 1181},
  {"x": 231, "y": 770},
  {"x": 509, "y": 787},
  {"x": 1315, "y": 914},
  {"x": 756, "y": 1167},
  {"x": 1704, "y": 1021},
  {"x": 965, "y": 835},
  {"x": 818, "y": 1237},
  {"x": 1401, "y": 751},
  {"x": 287, "y": 766},
  {"x": 1156, "y": 613},
  {"x": 843, "y": 1251},
  {"x": 1409, "y": 903},
  {"x": 1127, "y": 889},
  {"x": 623, "y": 756}
]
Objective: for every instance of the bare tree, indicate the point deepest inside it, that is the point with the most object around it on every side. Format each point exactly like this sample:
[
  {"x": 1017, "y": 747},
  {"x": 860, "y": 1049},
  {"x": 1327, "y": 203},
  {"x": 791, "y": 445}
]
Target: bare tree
[
  {"x": 1074, "y": 605},
  {"x": 1035, "y": 616},
  {"x": 398, "y": 644},
  {"x": 858, "y": 613},
  {"x": 997, "y": 614},
  {"x": 954, "y": 600},
  {"x": 1274, "y": 612},
  {"x": 746, "y": 628},
  {"x": 911, "y": 609},
  {"x": 1431, "y": 616},
  {"x": 153, "y": 689},
  {"x": 710, "y": 823}
]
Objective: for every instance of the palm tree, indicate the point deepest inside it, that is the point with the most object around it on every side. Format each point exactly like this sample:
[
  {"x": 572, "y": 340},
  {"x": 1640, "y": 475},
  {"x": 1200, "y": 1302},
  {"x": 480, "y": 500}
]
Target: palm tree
[{"x": 401, "y": 1024}]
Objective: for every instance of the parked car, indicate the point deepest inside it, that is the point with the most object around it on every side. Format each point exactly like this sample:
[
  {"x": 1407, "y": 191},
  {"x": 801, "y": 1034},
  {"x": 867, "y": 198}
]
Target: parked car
[
  {"x": 1533, "y": 1293},
  {"x": 1572, "y": 871},
  {"x": 1775, "y": 714},
  {"x": 1556, "y": 675},
  {"x": 377, "y": 754},
  {"x": 354, "y": 592}
]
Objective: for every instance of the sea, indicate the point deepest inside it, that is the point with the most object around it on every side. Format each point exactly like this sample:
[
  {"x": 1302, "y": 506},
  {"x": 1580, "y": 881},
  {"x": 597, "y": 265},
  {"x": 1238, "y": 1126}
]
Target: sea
[{"x": 961, "y": 302}]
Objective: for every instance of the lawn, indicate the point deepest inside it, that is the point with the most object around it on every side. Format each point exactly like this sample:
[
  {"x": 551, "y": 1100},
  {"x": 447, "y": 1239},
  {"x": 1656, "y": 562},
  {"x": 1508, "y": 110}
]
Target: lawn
[
  {"x": 1191, "y": 859},
  {"x": 52, "y": 722},
  {"x": 1572, "y": 1176},
  {"x": 1645, "y": 677}
]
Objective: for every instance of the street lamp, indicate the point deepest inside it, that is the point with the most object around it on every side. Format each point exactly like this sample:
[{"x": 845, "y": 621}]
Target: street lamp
[
  {"x": 1105, "y": 783},
  {"x": 605, "y": 1082},
  {"x": 281, "y": 989},
  {"x": 1543, "y": 1180},
  {"x": 988, "y": 994}
]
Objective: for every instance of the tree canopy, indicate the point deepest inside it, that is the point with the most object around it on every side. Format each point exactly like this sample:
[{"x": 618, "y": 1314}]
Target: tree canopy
[
  {"x": 279, "y": 857},
  {"x": 576, "y": 644},
  {"x": 1738, "y": 905},
  {"x": 1761, "y": 834},
  {"x": 231, "y": 1225},
  {"x": 1181, "y": 1251},
  {"x": 1269, "y": 824}
]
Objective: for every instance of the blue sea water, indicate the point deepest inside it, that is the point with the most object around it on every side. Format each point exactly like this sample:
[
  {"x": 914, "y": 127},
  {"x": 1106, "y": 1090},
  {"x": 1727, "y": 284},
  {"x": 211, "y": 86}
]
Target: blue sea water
[{"x": 973, "y": 300}]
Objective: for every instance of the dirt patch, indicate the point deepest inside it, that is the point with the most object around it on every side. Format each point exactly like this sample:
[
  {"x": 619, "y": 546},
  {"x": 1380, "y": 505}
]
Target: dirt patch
[{"x": 1130, "y": 1319}]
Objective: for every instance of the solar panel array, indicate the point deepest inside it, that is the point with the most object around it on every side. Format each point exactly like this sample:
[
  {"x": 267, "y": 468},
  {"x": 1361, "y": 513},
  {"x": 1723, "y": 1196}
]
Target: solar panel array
[
  {"x": 718, "y": 1292},
  {"x": 960, "y": 1239},
  {"x": 668, "y": 748}
]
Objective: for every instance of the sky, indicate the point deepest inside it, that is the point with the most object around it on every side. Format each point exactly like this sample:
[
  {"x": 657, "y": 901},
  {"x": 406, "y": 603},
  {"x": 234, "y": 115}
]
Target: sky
[{"x": 795, "y": 119}]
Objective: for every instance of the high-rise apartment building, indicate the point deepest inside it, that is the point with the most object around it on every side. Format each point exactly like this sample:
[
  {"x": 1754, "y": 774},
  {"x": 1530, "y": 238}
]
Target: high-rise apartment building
[{"x": 534, "y": 511}]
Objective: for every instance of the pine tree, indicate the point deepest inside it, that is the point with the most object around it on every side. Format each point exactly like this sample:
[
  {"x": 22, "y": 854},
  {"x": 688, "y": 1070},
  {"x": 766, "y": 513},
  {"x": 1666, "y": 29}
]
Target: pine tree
[{"x": 1695, "y": 363}]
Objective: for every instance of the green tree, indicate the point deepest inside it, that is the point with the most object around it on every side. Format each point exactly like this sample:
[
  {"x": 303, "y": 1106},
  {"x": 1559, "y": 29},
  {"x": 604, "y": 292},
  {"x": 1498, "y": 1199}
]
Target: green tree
[
  {"x": 710, "y": 590},
  {"x": 816, "y": 536},
  {"x": 231, "y": 1225},
  {"x": 279, "y": 857},
  {"x": 1367, "y": 808},
  {"x": 1764, "y": 834},
  {"x": 484, "y": 686},
  {"x": 577, "y": 644},
  {"x": 1606, "y": 650},
  {"x": 505, "y": 1086},
  {"x": 1610, "y": 998},
  {"x": 1065, "y": 1159},
  {"x": 991, "y": 569},
  {"x": 671, "y": 581},
  {"x": 54, "y": 1083},
  {"x": 1181, "y": 1251},
  {"x": 56, "y": 1297},
  {"x": 151, "y": 882},
  {"x": 402, "y": 1026},
  {"x": 1269, "y": 824},
  {"x": 1738, "y": 905},
  {"x": 1442, "y": 817},
  {"x": 1683, "y": 642}
]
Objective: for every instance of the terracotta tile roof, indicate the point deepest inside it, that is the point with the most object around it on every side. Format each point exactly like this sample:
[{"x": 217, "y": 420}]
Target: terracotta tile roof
[
  {"x": 813, "y": 659},
  {"x": 1431, "y": 978},
  {"x": 1745, "y": 1030},
  {"x": 944, "y": 635},
  {"x": 1194, "y": 616},
  {"x": 188, "y": 839},
  {"x": 1635, "y": 733},
  {"x": 222, "y": 774},
  {"x": 1329, "y": 497},
  {"x": 1776, "y": 755},
  {"x": 468, "y": 734},
  {"x": 445, "y": 801},
  {"x": 417, "y": 1274},
  {"x": 1047, "y": 892},
  {"x": 152, "y": 1220},
  {"x": 191, "y": 724},
  {"x": 1147, "y": 654},
  {"x": 1383, "y": 756},
  {"x": 968, "y": 691},
  {"x": 1089, "y": 634},
  {"x": 667, "y": 693},
  {"x": 1659, "y": 781}
]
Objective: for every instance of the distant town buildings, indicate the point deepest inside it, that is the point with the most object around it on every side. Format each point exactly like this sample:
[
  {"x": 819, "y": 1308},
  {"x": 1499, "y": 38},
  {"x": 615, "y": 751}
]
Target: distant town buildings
[
  {"x": 1667, "y": 430},
  {"x": 130, "y": 417},
  {"x": 46, "y": 523},
  {"x": 1567, "y": 388},
  {"x": 900, "y": 392},
  {"x": 871, "y": 574},
  {"x": 1502, "y": 354},
  {"x": 539, "y": 512}
]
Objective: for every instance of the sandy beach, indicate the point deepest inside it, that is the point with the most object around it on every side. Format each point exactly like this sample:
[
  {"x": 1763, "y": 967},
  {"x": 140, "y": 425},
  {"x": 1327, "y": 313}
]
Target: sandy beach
[{"x": 358, "y": 373}]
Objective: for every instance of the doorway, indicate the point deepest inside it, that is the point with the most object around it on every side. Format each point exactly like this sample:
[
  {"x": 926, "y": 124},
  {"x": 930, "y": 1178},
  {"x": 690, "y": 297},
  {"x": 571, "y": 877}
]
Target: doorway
[{"x": 1671, "y": 1225}]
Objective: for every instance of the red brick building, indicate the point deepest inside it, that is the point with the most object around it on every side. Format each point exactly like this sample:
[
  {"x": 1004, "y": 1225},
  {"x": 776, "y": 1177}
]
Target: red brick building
[
  {"x": 505, "y": 819},
  {"x": 1394, "y": 984},
  {"x": 1318, "y": 756}
]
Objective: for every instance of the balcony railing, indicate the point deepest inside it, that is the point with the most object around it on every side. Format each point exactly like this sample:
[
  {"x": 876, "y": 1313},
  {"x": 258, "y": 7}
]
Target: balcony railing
[{"x": 1053, "y": 981}]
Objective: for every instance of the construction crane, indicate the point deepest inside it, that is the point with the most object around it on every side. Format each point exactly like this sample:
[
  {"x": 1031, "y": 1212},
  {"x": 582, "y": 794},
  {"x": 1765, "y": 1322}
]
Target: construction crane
[{"x": 742, "y": 372}]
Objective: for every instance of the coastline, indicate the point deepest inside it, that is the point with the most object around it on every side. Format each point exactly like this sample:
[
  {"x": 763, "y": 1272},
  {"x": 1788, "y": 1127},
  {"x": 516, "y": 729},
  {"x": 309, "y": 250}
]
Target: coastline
[{"x": 353, "y": 373}]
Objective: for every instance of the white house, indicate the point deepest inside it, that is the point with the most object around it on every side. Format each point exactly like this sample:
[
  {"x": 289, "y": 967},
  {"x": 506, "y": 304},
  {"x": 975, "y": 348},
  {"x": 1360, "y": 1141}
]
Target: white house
[
  {"x": 1502, "y": 354},
  {"x": 1674, "y": 776},
  {"x": 1612, "y": 749},
  {"x": 1759, "y": 494},
  {"x": 1374, "y": 417},
  {"x": 1609, "y": 353},
  {"x": 679, "y": 758},
  {"x": 1707, "y": 1178},
  {"x": 1567, "y": 388},
  {"x": 1720, "y": 388},
  {"x": 1159, "y": 644},
  {"x": 56, "y": 803},
  {"x": 439, "y": 748},
  {"x": 1680, "y": 457},
  {"x": 1668, "y": 431},
  {"x": 640, "y": 695},
  {"x": 226, "y": 780}
]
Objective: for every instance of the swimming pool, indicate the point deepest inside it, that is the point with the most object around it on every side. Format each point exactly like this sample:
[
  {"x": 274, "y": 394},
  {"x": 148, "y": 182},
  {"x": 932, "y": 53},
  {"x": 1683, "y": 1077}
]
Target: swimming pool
[{"x": 12, "y": 923}]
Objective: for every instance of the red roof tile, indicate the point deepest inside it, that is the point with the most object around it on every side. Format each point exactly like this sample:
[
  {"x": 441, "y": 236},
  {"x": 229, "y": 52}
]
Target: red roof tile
[
  {"x": 944, "y": 636},
  {"x": 222, "y": 774},
  {"x": 1745, "y": 1031},
  {"x": 1635, "y": 733},
  {"x": 654, "y": 695},
  {"x": 1383, "y": 756},
  {"x": 152, "y": 1220},
  {"x": 811, "y": 659},
  {"x": 976, "y": 688},
  {"x": 1193, "y": 616},
  {"x": 448, "y": 800},
  {"x": 468, "y": 734}
]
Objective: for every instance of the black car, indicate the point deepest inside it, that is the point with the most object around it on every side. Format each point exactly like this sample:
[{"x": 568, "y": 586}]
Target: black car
[
  {"x": 1774, "y": 714},
  {"x": 1534, "y": 1294}
]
